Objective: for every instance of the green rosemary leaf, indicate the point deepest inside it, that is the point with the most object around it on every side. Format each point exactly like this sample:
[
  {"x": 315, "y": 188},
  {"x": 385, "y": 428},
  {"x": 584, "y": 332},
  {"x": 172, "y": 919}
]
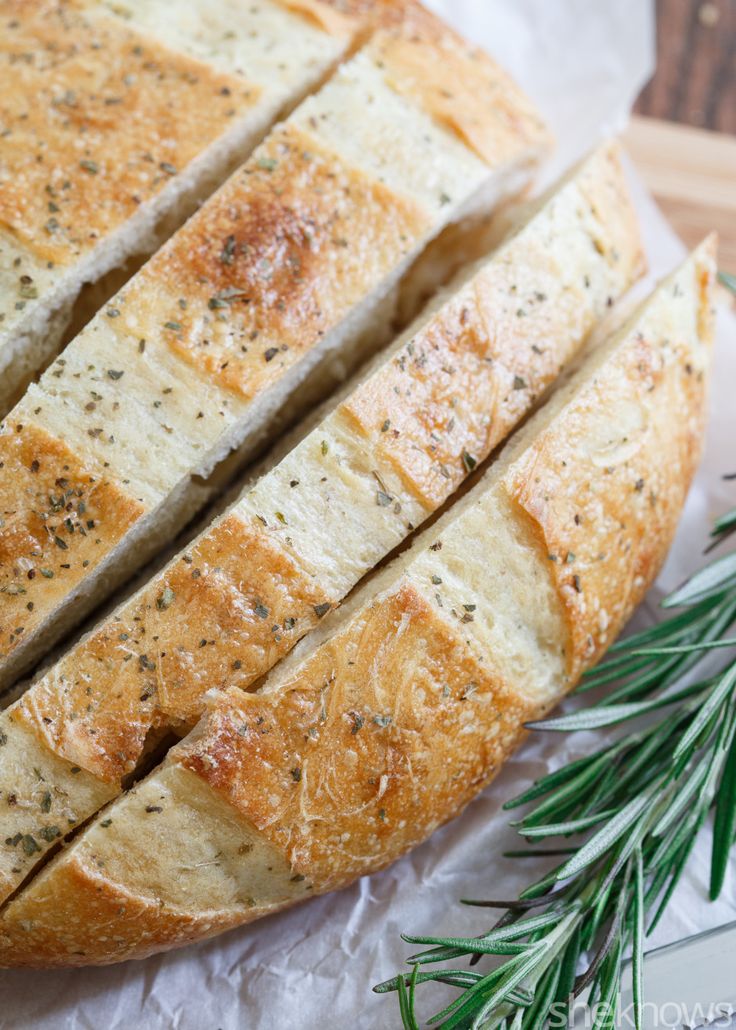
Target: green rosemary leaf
[
  {"x": 690, "y": 789},
  {"x": 406, "y": 1019},
  {"x": 665, "y": 629},
  {"x": 518, "y": 1021},
  {"x": 687, "y": 648},
  {"x": 655, "y": 886},
  {"x": 447, "y": 953},
  {"x": 728, "y": 280},
  {"x": 453, "y": 977},
  {"x": 717, "y": 576},
  {"x": 723, "y": 528},
  {"x": 666, "y": 850},
  {"x": 538, "y": 1012},
  {"x": 514, "y": 973},
  {"x": 463, "y": 1005},
  {"x": 602, "y": 793},
  {"x": 723, "y": 523},
  {"x": 598, "y": 963},
  {"x": 547, "y": 783},
  {"x": 665, "y": 671},
  {"x": 678, "y": 868},
  {"x": 616, "y": 669},
  {"x": 537, "y": 853},
  {"x": 521, "y": 997},
  {"x": 596, "y": 718},
  {"x": 568, "y": 966},
  {"x": 656, "y": 675},
  {"x": 622, "y": 861},
  {"x": 540, "y": 958},
  {"x": 571, "y": 826},
  {"x": 601, "y": 911},
  {"x": 563, "y": 800},
  {"x": 610, "y": 981},
  {"x": 437, "y": 955},
  {"x": 699, "y": 723},
  {"x": 637, "y": 770},
  {"x": 488, "y": 941},
  {"x": 637, "y": 956},
  {"x": 725, "y": 823},
  {"x": 543, "y": 886},
  {"x": 412, "y": 1021},
  {"x": 600, "y": 842},
  {"x": 641, "y": 803}
]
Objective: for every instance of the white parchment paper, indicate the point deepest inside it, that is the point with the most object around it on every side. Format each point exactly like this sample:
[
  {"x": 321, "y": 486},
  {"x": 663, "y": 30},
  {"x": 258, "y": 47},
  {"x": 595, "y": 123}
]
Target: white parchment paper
[{"x": 313, "y": 967}]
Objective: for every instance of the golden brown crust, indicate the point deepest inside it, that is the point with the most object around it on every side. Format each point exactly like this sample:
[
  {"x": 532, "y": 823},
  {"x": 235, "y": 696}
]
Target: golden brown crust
[
  {"x": 107, "y": 895},
  {"x": 41, "y": 799},
  {"x": 450, "y": 394},
  {"x": 260, "y": 276},
  {"x": 238, "y": 600},
  {"x": 468, "y": 376},
  {"x": 59, "y": 517},
  {"x": 83, "y": 896},
  {"x": 70, "y": 76},
  {"x": 287, "y": 247},
  {"x": 335, "y": 772},
  {"x": 369, "y": 741},
  {"x": 407, "y": 16},
  {"x": 606, "y": 546},
  {"x": 473, "y": 98},
  {"x": 323, "y": 14},
  {"x": 618, "y": 238},
  {"x": 219, "y": 616},
  {"x": 338, "y": 768},
  {"x": 430, "y": 414},
  {"x": 483, "y": 107}
]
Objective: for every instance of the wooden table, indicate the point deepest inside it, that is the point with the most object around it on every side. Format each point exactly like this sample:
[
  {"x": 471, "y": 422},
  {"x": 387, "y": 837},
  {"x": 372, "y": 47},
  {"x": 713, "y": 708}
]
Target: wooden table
[
  {"x": 695, "y": 78},
  {"x": 691, "y": 167},
  {"x": 692, "y": 174}
]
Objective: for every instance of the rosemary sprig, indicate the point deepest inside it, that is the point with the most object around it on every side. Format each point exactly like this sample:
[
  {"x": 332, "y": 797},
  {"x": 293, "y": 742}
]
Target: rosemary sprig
[
  {"x": 640, "y": 803},
  {"x": 728, "y": 280}
]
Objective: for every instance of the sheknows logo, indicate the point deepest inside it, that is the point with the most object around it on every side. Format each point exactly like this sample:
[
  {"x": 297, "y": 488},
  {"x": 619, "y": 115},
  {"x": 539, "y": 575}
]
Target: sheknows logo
[{"x": 655, "y": 1017}]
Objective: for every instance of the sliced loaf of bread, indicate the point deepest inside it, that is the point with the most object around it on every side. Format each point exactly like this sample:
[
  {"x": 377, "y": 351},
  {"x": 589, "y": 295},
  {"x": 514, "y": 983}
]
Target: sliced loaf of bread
[
  {"x": 393, "y": 450},
  {"x": 116, "y": 118},
  {"x": 298, "y": 259},
  {"x": 388, "y": 719}
]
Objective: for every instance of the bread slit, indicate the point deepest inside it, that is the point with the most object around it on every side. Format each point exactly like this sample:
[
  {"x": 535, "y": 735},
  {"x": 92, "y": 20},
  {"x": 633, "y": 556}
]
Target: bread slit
[
  {"x": 402, "y": 438},
  {"x": 98, "y": 165},
  {"x": 279, "y": 284},
  {"x": 389, "y": 719}
]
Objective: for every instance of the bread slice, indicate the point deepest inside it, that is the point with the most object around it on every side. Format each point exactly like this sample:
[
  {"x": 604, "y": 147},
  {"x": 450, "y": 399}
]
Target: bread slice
[
  {"x": 298, "y": 258},
  {"x": 97, "y": 162},
  {"x": 391, "y": 452},
  {"x": 384, "y": 722}
]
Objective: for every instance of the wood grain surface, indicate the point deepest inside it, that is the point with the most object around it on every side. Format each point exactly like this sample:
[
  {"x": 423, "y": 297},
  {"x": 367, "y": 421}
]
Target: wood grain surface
[
  {"x": 695, "y": 78},
  {"x": 692, "y": 174},
  {"x": 690, "y": 171}
]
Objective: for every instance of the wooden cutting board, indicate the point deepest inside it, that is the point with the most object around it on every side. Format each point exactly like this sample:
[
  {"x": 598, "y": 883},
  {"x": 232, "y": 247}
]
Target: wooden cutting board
[{"x": 692, "y": 174}]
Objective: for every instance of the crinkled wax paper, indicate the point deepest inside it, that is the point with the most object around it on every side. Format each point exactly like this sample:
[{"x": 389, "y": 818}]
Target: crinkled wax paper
[{"x": 313, "y": 967}]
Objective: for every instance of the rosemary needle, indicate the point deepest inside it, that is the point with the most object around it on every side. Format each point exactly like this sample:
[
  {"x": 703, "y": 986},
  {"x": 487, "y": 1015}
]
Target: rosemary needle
[{"x": 639, "y": 804}]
